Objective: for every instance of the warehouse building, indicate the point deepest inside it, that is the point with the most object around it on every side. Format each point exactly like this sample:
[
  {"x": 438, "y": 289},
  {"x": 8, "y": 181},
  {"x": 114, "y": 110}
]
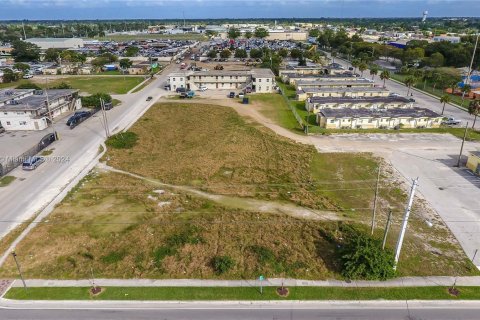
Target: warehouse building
[
  {"x": 259, "y": 80},
  {"x": 363, "y": 118},
  {"x": 27, "y": 109},
  {"x": 57, "y": 43},
  {"x": 315, "y": 104}
]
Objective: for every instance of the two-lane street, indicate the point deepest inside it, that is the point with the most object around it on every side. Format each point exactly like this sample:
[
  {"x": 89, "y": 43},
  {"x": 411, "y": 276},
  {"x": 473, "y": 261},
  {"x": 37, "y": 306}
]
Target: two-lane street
[{"x": 33, "y": 190}]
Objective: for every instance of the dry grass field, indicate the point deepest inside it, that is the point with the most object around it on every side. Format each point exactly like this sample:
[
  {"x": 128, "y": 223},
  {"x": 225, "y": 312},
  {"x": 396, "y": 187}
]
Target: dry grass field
[{"x": 121, "y": 226}]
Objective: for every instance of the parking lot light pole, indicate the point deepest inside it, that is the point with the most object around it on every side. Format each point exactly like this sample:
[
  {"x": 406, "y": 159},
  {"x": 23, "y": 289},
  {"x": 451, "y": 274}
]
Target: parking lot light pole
[{"x": 463, "y": 142}]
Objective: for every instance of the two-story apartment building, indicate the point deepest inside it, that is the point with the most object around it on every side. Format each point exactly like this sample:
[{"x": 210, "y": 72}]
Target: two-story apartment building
[
  {"x": 362, "y": 118},
  {"x": 293, "y": 78},
  {"x": 27, "y": 109},
  {"x": 349, "y": 83},
  {"x": 305, "y": 93},
  {"x": 315, "y": 104},
  {"x": 259, "y": 80}
]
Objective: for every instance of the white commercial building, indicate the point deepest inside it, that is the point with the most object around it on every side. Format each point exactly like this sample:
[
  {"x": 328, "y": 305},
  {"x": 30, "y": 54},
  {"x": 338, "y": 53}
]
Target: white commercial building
[
  {"x": 27, "y": 109},
  {"x": 57, "y": 43},
  {"x": 258, "y": 80}
]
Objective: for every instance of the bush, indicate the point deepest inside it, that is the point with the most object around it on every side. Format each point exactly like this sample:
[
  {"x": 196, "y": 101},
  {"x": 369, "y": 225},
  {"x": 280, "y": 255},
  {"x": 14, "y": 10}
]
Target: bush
[
  {"x": 222, "y": 264},
  {"x": 63, "y": 85},
  {"x": 264, "y": 255},
  {"x": 29, "y": 86},
  {"x": 161, "y": 252},
  {"x": 94, "y": 100},
  {"x": 363, "y": 258},
  {"x": 114, "y": 257},
  {"x": 122, "y": 140}
]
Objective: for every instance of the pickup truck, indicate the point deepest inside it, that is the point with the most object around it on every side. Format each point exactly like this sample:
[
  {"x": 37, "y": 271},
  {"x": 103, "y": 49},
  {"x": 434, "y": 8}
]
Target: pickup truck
[{"x": 451, "y": 121}]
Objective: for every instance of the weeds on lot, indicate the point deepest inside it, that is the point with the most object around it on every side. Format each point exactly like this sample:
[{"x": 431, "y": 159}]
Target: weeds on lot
[
  {"x": 122, "y": 140},
  {"x": 6, "y": 180}
]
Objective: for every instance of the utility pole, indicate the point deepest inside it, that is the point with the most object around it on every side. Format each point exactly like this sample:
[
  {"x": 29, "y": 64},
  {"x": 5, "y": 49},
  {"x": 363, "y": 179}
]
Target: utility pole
[
  {"x": 387, "y": 227},
  {"x": 24, "y": 34},
  {"x": 471, "y": 62},
  {"x": 104, "y": 116},
  {"x": 405, "y": 222},
  {"x": 49, "y": 111},
  {"x": 461, "y": 148},
  {"x": 19, "y": 270},
  {"x": 374, "y": 213}
]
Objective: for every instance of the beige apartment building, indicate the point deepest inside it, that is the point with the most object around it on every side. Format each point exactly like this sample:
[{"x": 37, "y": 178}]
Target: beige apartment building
[
  {"x": 315, "y": 104},
  {"x": 305, "y": 93},
  {"x": 363, "y": 118},
  {"x": 259, "y": 80}
]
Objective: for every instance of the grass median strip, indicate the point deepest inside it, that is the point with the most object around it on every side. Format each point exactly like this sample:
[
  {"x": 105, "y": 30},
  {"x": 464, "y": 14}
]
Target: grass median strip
[{"x": 242, "y": 293}]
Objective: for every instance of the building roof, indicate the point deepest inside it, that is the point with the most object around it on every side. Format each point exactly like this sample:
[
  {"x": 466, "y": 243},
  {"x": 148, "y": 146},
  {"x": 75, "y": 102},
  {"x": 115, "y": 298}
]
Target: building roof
[
  {"x": 349, "y": 89},
  {"x": 36, "y": 102},
  {"x": 388, "y": 113},
  {"x": 325, "y": 82},
  {"x": 389, "y": 99},
  {"x": 52, "y": 39},
  {"x": 262, "y": 73}
]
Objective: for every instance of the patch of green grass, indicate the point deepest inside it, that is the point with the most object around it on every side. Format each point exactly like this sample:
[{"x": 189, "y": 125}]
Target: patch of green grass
[
  {"x": 5, "y": 181},
  {"x": 14, "y": 84},
  {"x": 146, "y": 83},
  {"x": 46, "y": 152},
  {"x": 243, "y": 293},
  {"x": 98, "y": 84},
  {"x": 275, "y": 107},
  {"x": 114, "y": 257},
  {"x": 122, "y": 140}
]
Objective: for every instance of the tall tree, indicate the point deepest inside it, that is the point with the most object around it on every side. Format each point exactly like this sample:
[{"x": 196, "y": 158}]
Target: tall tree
[
  {"x": 409, "y": 82},
  {"x": 373, "y": 71},
  {"x": 233, "y": 33},
  {"x": 385, "y": 75},
  {"x": 474, "y": 109},
  {"x": 261, "y": 32},
  {"x": 225, "y": 54},
  {"x": 25, "y": 51},
  {"x": 125, "y": 63},
  {"x": 362, "y": 67},
  {"x": 444, "y": 99},
  {"x": 355, "y": 64},
  {"x": 248, "y": 34},
  {"x": 465, "y": 91}
]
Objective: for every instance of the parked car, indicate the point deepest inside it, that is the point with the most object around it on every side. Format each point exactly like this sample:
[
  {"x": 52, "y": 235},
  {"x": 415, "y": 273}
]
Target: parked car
[
  {"x": 231, "y": 95},
  {"x": 180, "y": 90},
  {"x": 27, "y": 76},
  {"x": 149, "y": 98},
  {"x": 202, "y": 88},
  {"x": 2, "y": 129},
  {"x": 241, "y": 95},
  {"x": 183, "y": 95},
  {"x": 451, "y": 121},
  {"x": 47, "y": 140},
  {"x": 32, "y": 163},
  {"x": 248, "y": 90},
  {"x": 411, "y": 100}
]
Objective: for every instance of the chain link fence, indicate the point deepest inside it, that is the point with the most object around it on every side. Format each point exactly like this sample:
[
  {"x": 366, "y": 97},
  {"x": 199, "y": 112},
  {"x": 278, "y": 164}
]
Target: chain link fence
[
  {"x": 293, "y": 109},
  {"x": 9, "y": 163}
]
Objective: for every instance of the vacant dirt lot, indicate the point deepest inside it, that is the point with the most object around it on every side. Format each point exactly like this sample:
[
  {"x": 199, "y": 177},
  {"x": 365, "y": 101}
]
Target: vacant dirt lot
[{"x": 123, "y": 226}]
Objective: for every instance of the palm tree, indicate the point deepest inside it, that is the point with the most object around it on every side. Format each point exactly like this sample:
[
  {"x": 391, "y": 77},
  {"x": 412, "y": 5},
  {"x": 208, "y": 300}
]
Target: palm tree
[
  {"x": 333, "y": 54},
  {"x": 474, "y": 109},
  {"x": 373, "y": 72},
  {"x": 444, "y": 99},
  {"x": 409, "y": 82},
  {"x": 436, "y": 77},
  {"x": 454, "y": 85},
  {"x": 385, "y": 75},
  {"x": 355, "y": 64},
  {"x": 362, "y": 67},
  {"x": 465, "y": 91}
]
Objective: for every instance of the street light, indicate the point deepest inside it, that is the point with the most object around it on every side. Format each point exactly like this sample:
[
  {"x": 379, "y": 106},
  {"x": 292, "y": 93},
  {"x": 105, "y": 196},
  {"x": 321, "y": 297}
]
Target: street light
[{"x": 19, "y": 270}]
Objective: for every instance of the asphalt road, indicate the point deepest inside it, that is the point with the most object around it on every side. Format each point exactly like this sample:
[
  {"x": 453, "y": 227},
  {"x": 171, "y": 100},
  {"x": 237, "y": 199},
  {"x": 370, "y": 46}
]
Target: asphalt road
[
  {"x": 254, "y": 313},
  {"x": 33, "y": 190}
]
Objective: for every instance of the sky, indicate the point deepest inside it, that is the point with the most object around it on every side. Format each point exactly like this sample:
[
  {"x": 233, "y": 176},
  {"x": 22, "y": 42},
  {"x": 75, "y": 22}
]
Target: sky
[{"x": 198, "y": 9}]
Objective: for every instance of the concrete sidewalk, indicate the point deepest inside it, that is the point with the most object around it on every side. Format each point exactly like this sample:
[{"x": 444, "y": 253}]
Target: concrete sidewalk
[{"x": 398, "y": 282}]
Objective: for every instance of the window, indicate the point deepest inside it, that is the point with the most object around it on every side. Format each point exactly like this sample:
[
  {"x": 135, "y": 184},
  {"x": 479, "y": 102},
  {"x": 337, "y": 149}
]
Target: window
[
  {"x": 268, "y": 80},
  {"x": 173, "y": 79},
  {"x": 370, "y": 120},
  {"x": 8, "y": 123},
  {"x": 23, "y": 123},
  {"x": 236, "y": 77},
  {"x": 259, "y": 80},
  {"x": 231, "y": 77},
  {"x": 332, "y": 121},
  {"x": 181, "y": 79},
  {"x": 268, "y": 88}
]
